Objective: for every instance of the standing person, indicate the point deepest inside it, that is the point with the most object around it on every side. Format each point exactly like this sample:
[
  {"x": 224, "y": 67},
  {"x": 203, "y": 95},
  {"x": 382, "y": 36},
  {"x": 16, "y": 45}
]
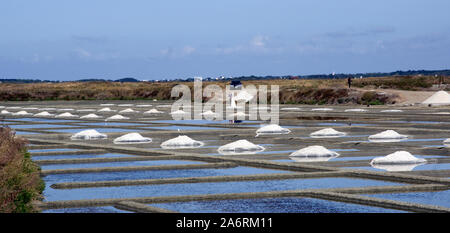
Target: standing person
[{"x": 349, "y": 81}]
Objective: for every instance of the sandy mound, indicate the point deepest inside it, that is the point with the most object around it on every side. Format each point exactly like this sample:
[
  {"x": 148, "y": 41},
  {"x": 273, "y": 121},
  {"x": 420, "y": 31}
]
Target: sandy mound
[
  {"x": 438, "y": 98},
  {"x": 399, "y": 157},
  {"x": 327, "y": 132},
  {"x": 132, "y": 138},
  {"x": 88, "y": 135},
  {"x": 117, "y": 117},
  {"x": 91, "y": 116},
  {"x": 314, "y": 151},
  {"x": 272, "y": 129},
  {"x": 240, "y": 147},
  {"x": 180, "y": 142},
  {"x": 66, "y": 114}
]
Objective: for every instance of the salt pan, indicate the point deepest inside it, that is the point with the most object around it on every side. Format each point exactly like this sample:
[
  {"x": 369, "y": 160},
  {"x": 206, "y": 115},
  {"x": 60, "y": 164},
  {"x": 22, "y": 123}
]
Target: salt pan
[
  {"x": 88, "y": 135},
  {"x": 314, "y": 151},
  {"x": 66, "y": 114},
  {"x": 272, "y": 129},
  {"x": 327, "y": 132},
  {"x": 117, "y": 117},
  {"x": 180, "y": 142},
  {"x": 132, "y": 138},
  {"x": 240, "y": 147},
  {"x": 90, "y": 116},
  {"x": 399, "y": 157}
]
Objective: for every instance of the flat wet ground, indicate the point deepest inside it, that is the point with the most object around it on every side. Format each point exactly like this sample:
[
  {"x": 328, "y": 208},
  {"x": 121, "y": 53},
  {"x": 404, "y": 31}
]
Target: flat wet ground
[{"x": 52, "y": 146}]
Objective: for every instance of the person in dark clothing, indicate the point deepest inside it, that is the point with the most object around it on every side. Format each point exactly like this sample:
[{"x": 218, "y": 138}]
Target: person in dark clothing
[{"x": 349, "y": 81}]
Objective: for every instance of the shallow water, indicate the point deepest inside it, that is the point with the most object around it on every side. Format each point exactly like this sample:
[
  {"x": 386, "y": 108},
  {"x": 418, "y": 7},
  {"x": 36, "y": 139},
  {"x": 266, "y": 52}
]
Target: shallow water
[
  {"x": 111, "y": 124},
  {"x": 100, "y": 130},
  {"x": 51, "y": 150},
  {"x": 39, "y": 126},
  {"x": 43, "y": 119},
  {"x": 116, "y": 164},
  {"x": 107, "y": 155},
  {"x": 439, "y": 198},
  {"x": 93, "y": 209},
  {"x": 270, "y": 205},
  {"x": 204, "y": 188}
]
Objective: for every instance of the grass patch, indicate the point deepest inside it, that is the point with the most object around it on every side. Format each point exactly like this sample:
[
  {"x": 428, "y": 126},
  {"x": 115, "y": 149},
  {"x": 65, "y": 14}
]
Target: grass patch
[{"x": 20, "y": 182}]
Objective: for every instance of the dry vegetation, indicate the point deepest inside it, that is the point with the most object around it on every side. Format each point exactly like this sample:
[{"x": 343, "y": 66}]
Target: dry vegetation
[
  {"x": 20, "y": 183},
  {"x": 321, "y": 91}
]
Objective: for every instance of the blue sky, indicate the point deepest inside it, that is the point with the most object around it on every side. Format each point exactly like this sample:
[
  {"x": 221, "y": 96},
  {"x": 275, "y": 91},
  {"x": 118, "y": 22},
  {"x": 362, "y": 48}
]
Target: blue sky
[{"x": 69, "y": 40}]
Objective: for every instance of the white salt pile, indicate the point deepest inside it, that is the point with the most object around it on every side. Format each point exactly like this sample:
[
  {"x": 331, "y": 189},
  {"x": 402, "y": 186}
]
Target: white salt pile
[
  {"x": 272, "y": 129},
  {"x": 240, "y": 147},
  {"x": 291, "y": 109},
  {"x": 243, "y": 95},
  {"x": 180, "y": 142},
  {"x": 5, "y": 112},
  {"x": 178, "y": 112},
  {"x": 327, "y": 132},
  {"x": 311, "y": 159},
  {"x": 322, "y": 109},
  {"x": 355, "y": 110},
  {"x": 31, "y": 108},
  {"x": 117, "y": 117},
  {"x": 13, "y": 107},
  {"x": 125, "y": 105},
  {"x": 153, "y": 111},
  {"x": 314, "y": 151},
  {"x": 209, "y": 113},
  {"x": 128, "y": 110},
  {"x": 447, "y": 142},
  {"x": 91, "y": 116},
  {"x": 107, "y": 104},
  {"x": 239, "y": 114},
  {"x": 164, "y": 106},
  {"x": 86, "y": 110},
  {"x": 443, "y": 113},
  {"x": 48, "y": 109},
  {"x": 44, "y": 113},
  {"x": 396, "y": 167},
  {"x": 132, "y": 138},
  {"x": 22, "y": 113},
  {"x": 2, "y": 106},
  {"x": 438, "y": 98},
  {"x": 155, "y": 100},
  {"x": 260, "y": 108},
  {"x": 399, "y": 157},
  {"x": 392, "y": 110},
  {"x": 66, "y": 114},
  {"x": 387, "y": 136},
  {"x": 106, "y": 110},
  {"x": 88, "y": 134},
  {"x": 143, "y": 105}
]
